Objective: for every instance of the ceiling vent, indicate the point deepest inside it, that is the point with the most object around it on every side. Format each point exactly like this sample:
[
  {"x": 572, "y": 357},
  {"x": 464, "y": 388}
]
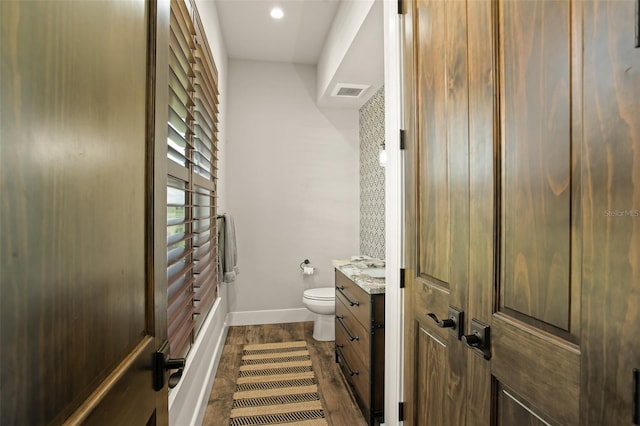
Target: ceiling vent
[{"x": 344, "y": 90}]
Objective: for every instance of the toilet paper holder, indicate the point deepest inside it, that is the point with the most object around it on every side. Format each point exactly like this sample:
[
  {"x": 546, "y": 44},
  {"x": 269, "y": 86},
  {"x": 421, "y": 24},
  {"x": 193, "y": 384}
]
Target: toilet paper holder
[{"x": 306, "y": 270}]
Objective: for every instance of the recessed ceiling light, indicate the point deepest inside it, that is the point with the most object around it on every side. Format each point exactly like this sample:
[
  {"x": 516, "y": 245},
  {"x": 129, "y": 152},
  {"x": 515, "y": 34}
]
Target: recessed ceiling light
[{"x": 277, "y": 13}]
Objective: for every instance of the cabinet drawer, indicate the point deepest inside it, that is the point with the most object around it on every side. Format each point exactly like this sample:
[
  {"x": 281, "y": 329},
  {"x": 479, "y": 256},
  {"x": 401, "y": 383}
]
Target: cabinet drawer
[
  {"x": 350, "y": 363},
  {"x": 361, "y": 342},
  {"x": 354, "y": 298}
]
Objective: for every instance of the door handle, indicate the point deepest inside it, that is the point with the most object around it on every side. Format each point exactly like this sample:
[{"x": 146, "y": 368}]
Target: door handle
[
  {"x": 447, "y": 323},
  {"x": 454, "y": 322},
  {"x": 161, "y": 363},
  {"x": 480, "y": 338},
  {"x": 473, "y": 340}
]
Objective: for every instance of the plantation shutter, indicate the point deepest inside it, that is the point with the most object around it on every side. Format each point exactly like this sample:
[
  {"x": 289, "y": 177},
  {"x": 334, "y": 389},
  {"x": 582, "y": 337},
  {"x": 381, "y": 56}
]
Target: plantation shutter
[
  {"x": 205, "y": 167},
  {"x": 191, "y": 182}
]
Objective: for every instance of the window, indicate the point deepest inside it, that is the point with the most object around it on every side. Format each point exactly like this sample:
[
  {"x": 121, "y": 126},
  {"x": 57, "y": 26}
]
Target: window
[{"x": 192, "y": 267}]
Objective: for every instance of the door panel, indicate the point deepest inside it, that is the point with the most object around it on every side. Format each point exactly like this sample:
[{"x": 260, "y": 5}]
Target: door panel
[
  {"x": 552, "y": 230},
  {"x": 535, "y": 70},
  {"x": 437, "y": 253},
  {"x": 432, "y": 372},
  {"x": 482, "y": 223},
  {"x": 525, "y": 359},
  {"x": 533, "y": 335},
  {"x": 433, "y": 201},
  {"x": 512, "y": 410},
  {"x": 77, "y": 303},
  {"x": 611, "y": 205}
]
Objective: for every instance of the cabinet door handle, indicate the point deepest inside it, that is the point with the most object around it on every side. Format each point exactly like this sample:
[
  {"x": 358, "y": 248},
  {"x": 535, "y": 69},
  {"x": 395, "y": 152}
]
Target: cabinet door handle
[
  {"x": 339, "y": 318},
  {"x": 346, "y": 364},
  {"x": 351, "y": 302}
]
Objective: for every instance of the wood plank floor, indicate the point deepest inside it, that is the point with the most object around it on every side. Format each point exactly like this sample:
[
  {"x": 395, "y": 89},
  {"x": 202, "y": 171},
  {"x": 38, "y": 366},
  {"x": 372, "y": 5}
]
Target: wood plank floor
[{"x": 339, "y": 406}]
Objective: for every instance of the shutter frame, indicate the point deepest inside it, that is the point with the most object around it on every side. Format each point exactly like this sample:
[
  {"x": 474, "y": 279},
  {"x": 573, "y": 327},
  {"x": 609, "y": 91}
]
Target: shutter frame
[{"x": 192, "y": 167}]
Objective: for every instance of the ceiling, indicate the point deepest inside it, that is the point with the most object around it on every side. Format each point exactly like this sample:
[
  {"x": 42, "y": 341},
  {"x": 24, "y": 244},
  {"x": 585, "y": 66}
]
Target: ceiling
[
  {"x": 249, "y": 32},
  {"x": 299, "y": 37}
]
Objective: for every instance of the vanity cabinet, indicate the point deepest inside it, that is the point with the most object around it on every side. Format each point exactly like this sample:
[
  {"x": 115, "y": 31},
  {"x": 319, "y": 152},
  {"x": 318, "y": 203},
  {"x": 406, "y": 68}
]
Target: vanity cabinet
[{"x": 360, "y": 344}]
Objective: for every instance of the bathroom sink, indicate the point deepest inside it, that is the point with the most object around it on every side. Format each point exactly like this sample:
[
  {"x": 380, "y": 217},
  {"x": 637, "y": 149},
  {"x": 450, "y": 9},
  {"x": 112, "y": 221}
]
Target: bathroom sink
[{"x": 374, "y": 272}]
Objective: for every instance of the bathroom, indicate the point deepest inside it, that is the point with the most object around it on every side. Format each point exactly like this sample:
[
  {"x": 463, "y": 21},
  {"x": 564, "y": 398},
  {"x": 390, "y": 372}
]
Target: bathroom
[
  {"x": 300, "y": 169},
  {"x": 510, "y": 290}
]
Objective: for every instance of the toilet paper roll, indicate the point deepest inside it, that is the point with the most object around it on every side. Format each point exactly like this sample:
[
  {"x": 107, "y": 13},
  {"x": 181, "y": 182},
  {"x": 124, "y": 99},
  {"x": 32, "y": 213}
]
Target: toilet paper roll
[{"x": 307, "y": 270}]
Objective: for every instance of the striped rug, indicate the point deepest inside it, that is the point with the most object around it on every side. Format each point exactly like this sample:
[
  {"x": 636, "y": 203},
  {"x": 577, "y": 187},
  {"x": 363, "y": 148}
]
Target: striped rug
[{"x": 276, "y": 385}]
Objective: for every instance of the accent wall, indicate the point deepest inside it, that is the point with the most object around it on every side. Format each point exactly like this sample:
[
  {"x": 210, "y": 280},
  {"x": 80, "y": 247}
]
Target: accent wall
[{"x": 372, "y": 194}]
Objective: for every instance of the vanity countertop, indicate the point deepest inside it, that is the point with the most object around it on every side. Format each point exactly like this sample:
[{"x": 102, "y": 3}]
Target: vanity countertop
[{"x": 366, "y": 272}]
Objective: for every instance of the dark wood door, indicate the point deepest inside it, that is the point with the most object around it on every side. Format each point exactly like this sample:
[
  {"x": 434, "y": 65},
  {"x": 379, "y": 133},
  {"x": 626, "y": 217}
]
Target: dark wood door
[
  {"x": 79, "y": 322},
  {"x": 535, "y": 325},
  {"x": 551, "y": 225},
  {"x": 437, "y": 223},
  {"x": 610, "y": 321}
]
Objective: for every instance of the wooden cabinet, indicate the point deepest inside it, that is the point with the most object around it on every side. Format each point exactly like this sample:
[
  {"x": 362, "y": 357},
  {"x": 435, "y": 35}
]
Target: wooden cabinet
[{"x": 360, "y": 344}]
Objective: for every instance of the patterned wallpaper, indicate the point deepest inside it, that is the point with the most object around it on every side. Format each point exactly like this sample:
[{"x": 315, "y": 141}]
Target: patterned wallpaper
[{"x": 372, "y": 177}]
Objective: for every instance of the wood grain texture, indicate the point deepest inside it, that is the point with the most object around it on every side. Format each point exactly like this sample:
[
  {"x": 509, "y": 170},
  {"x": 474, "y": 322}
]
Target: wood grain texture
[
  {"x": 513, "y": 411},
  {"x": 536, "y": 158},
  {"x": 433, "y": 202},
  {"x": 365, "y": 354},
  {"x": 351, "y": 293},
  {"x": 544, "y": 370},
  {"x": 339, "y": 406},
  {"x": 351, "y": 363},
  {"x": 360, "y": 346},
  {"x": 157, "y": 180},
  {"x": 432, "y": 377},
  {"x": 74, "y": 126},
  {"x": 611, "y": 218},
  {"x": 457, "y": 128},
  {"x": 410, "y": 218},
  {"x": 438, "y": 202},
  {"x": 482, "y": 194}
]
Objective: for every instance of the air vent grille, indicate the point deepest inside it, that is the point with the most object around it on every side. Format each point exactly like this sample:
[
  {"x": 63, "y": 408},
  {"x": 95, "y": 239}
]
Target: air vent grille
[{"x": 349, "y": 90}]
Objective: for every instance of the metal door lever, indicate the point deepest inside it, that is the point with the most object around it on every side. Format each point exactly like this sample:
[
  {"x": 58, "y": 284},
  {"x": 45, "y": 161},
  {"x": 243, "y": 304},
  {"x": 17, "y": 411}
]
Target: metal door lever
[{"x": 447, "y": 323}]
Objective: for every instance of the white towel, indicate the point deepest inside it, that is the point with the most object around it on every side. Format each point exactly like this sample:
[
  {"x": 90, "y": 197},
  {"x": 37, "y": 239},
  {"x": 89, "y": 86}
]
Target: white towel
[{"x": 230, "y": 253}]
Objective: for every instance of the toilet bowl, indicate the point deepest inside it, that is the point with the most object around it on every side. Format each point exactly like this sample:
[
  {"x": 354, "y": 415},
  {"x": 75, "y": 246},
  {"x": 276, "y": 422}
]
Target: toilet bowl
[{"x": 322, "y": 302}]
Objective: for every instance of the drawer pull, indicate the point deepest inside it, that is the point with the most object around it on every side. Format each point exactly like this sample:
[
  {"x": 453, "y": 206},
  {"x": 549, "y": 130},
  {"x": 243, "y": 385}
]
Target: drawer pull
[
  {"x": 339, "y": 318},
  {"x": 351, "y": 302},
  {"x": 346, "y": 364}
]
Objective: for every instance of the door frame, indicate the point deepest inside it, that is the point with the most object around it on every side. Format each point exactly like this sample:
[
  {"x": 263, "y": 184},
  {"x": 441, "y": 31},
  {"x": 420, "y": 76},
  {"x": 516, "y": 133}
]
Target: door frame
[{"x": 394, "y": 211}]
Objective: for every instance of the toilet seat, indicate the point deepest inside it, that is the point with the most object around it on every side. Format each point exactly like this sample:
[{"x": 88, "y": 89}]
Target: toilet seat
[{"x": 322, "y": 294}]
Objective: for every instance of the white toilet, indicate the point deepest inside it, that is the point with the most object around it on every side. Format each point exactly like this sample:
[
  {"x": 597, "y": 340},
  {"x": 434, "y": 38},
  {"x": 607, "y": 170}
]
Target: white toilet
[{"x": 322, "y": 302}]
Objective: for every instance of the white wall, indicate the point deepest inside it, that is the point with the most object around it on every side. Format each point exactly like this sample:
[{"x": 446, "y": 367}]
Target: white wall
[
  {"x": 292, "y": 182},
  {"x": 188, "y": 400}
]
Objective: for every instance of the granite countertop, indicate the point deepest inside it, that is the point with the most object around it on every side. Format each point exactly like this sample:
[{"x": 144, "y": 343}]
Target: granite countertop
[{"x": 367, "y": 272}]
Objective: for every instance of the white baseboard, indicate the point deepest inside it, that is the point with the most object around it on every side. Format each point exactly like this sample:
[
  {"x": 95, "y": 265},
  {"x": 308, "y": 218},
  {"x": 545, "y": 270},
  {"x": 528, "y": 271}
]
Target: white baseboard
[
  {"x": 276, "y": 316},
  {"x": 188, "y": 400}
]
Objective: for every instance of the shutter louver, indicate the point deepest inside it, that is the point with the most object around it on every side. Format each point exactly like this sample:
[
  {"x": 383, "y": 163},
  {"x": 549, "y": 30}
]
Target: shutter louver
[
  {"x": 192, "y": 269},
  {"x": 205, "y": 166}
]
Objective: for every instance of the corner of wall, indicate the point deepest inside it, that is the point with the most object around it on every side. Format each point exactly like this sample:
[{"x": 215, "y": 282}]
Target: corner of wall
[{"x": 345, "y": 27}]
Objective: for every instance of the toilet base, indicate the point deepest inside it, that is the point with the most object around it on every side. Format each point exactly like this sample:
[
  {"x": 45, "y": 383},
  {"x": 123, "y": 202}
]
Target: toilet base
[{"x": 324, "y": 328}]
